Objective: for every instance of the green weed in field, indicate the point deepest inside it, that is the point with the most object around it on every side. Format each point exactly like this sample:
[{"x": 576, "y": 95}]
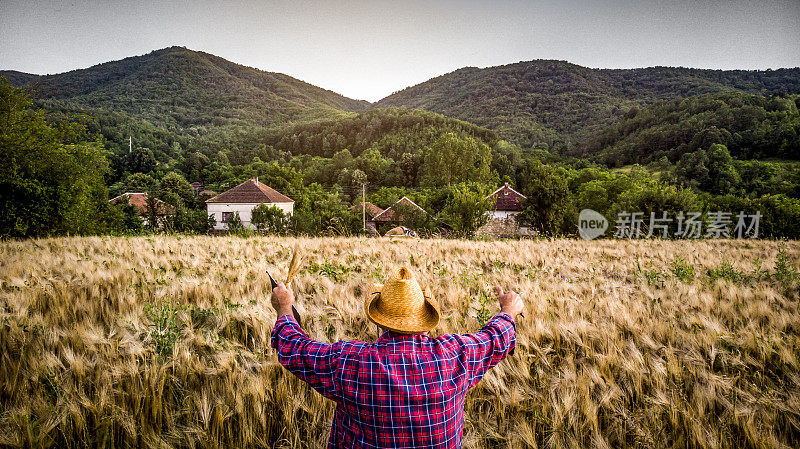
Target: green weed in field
[
  {"x": 336, "y": 272},
  {"x": 785, "y": 272},
  {"x": 164, "y": 330},
  {"x": 653, "y": 275},
  {"x": 483, "y": 313},
  {"x": 683, "y": 270},
  {"x": 727, "y": 271}
]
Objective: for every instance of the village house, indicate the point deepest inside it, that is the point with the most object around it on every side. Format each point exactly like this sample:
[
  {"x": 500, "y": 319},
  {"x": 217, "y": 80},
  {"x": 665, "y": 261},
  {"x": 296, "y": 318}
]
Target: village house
[
  {"x": 242, "y": 199},
  {"x": 390, "y": 216},
  {"x": 503, "y": 222},
  {"x": 370, "y": 211},
  {"x": 139, "y": 201}
]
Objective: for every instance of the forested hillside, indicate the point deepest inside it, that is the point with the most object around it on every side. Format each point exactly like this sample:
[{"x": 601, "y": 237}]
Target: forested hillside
[
  {"x": 176, "y": 88},
  {"x": 382, "y": 147},
  {"x": 554, "y": 104},
  {"x": 750, "y": 126}
]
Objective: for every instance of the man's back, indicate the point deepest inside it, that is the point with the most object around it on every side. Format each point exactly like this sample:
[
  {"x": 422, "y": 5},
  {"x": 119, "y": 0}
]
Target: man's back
[{"x": 403, "y": 391}]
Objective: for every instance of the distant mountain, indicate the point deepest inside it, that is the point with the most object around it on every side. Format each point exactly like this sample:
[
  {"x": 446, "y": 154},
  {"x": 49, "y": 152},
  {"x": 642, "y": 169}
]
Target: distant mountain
[
  {"x": 18, "y": 78},
  {"x": 558, "y": 103},
  {"x": 179, "y": 88}
]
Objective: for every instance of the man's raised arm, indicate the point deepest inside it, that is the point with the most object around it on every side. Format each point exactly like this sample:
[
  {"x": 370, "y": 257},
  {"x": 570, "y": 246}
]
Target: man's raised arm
[
  {"x": 497, "y": 339},
  {"x": 310, "y": 360}
]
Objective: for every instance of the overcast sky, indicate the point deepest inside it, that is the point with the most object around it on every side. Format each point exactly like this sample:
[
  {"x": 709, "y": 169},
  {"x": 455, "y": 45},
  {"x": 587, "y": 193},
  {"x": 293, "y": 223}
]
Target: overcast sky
[{"x": 369, "y": 49}]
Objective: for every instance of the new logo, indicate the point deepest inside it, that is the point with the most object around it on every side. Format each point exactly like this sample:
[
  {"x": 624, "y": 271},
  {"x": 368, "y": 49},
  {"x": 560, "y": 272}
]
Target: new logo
[{"x": 591, "y": 224}]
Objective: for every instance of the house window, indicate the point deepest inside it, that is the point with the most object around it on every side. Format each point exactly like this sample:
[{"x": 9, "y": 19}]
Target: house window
[{"x": 226, "y": 216}]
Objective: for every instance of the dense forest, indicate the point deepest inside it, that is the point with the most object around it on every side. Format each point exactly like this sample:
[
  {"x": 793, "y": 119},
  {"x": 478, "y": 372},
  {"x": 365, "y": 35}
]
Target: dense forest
[
  {"x": 750, "y": 126},
  {"x": 568, "y": 137}
]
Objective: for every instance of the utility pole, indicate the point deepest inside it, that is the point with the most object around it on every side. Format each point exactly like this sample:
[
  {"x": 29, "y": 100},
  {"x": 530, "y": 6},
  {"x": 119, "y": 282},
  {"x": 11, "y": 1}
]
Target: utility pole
[
  {"x": 130, "y": 144},
  {"x": 364, "y": 206}
]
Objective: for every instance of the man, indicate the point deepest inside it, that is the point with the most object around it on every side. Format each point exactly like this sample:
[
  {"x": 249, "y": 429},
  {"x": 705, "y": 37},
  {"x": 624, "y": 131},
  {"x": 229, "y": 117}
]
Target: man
[{"x": 407, "y": 389}]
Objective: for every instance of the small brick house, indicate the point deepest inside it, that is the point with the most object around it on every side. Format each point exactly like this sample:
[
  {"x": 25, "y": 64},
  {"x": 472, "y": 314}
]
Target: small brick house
[
  {"x": 370, "y": 211},
  {"x": 390, "y": 216},
  {"x": 242, "y": 199}
]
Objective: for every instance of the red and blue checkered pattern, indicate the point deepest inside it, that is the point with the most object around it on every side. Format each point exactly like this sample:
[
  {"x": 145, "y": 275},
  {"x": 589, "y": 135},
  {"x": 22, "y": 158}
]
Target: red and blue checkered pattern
[{"x": 403, "y": 391}]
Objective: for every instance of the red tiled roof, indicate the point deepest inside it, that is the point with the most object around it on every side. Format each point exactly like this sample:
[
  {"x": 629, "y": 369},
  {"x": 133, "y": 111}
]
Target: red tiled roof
[
  {"x": 507, "y": 199},
  {"x": 388, "y": 214},
  {"x": 372, "y": 210},
  {"x": 208, "y": 192},
  {"x": 139, "y": 201},
  {"x": 251, "y": 191}
]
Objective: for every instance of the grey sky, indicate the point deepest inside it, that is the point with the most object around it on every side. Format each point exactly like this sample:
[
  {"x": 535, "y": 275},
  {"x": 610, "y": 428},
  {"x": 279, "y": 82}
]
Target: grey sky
[{"x": 369, "y": 49}]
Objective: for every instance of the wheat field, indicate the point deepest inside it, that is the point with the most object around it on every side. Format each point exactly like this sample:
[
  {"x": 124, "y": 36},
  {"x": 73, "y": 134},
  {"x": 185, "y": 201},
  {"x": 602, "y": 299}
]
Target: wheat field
[{"x": 164, "y": 341}]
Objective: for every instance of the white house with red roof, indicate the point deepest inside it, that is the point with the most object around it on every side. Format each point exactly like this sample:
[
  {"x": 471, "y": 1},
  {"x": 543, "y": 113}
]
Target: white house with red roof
[
  {"x": 508, "y": 203},
  {"x": 242, "y": 199}
]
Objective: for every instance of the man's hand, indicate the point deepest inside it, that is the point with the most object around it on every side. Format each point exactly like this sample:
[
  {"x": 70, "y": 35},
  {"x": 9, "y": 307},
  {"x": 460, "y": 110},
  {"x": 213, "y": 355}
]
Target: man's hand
[
  {"x": 510, "y": 302},
  {"x": 282, "y": 299}
]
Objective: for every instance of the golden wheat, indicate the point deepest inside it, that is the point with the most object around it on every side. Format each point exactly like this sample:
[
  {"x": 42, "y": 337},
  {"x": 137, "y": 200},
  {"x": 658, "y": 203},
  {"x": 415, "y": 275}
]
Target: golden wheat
[{"x": 164, "y": 341}]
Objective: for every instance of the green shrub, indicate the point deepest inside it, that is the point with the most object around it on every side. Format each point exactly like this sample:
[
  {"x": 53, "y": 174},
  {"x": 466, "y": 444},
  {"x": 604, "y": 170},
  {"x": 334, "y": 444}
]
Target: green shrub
[{"x": 269, "y": 218}]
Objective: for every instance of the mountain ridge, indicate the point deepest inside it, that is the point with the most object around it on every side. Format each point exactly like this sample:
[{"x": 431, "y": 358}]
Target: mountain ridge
[
  {"x": 165, "y": 85},
  {"x": 546, "y": 103}
]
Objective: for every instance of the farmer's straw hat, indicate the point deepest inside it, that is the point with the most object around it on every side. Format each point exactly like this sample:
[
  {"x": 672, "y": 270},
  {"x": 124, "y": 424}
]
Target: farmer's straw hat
[{"x": 401, "y": 306}]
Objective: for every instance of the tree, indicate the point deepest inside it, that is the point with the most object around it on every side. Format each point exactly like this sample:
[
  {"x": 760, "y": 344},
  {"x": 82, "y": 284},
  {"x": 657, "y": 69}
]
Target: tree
[
  {"x": 466, "y": 209},
  {"x": 548, "y": 207},
  {"x": 269, "y": 218},
  {"x": 594, "y": 195},
  {"x": 125, "y": 218},
  {"x": 353, "y": 179},
  {"x": 412, "y": 217},
  {"x": 153, "y": 211},
  {"x": 386, "y": 196},
  {"x": 51, "y": 178},
  {"x": 140, "y": 160},
  {"x": 374, "y": 165},
  {"x": 176, "y": 190},
  {"x": 653, "y": 197},
  {"x": 724, "y": 177},
  {"x": 140, "y": 182},
  {"x": 193, "y": 165},
  {"x": 712, "y": 171},
  {"x": 281, "y": 178},
  {"x": 342, "y": 159},
  {"x": 317, "y": 209},
  {"x": 409, "y": 166},
  {"x": 452, "y": 159}
]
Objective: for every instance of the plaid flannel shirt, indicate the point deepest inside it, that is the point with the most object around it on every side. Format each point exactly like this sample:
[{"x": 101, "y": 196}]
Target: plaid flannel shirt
[{"x": 403, "y": 391}]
